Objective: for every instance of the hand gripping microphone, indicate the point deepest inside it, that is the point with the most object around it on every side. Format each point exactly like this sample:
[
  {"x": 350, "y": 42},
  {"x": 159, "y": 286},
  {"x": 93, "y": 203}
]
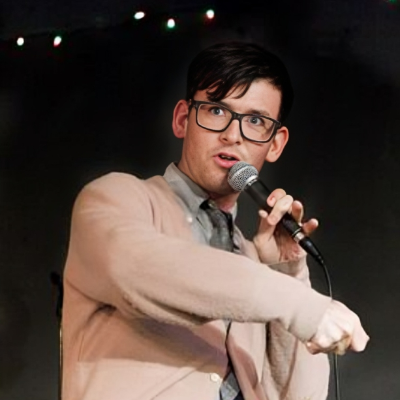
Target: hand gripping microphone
[{"x": 244, "y": 177}]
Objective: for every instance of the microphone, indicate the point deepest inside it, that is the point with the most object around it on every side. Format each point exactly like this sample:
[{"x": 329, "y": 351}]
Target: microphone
[{"x": 244, "y": 177}]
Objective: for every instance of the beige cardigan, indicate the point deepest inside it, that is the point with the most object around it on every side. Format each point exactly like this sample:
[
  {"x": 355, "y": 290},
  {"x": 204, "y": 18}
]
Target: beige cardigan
[{"x": 144, "y": 303}]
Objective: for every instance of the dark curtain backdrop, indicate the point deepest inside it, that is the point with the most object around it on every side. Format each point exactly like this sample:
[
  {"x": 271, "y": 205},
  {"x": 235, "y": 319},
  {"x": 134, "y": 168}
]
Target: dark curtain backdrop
[{"x": 103, "y": 102}]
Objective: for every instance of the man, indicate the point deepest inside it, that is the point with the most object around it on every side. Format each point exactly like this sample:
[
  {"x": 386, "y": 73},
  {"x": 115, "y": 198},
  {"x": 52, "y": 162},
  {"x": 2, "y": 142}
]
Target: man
[{"x": 160, "y": 301}]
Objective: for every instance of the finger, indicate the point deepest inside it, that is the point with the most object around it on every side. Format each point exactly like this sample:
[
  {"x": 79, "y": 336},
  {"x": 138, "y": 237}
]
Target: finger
[
  {"x": 310, "y": 226},
  {"x": 266, "y": 230},
  {"x": 297, "y": 211},
  {"x": 281, "y": 207},
  {"x": 275, "y": 196},
  {"x": 338, "y": 348},
  {"x": 313, "y": 348},
  {"x": 331, "y": 334},
  {"x": 342, "y": 346}
]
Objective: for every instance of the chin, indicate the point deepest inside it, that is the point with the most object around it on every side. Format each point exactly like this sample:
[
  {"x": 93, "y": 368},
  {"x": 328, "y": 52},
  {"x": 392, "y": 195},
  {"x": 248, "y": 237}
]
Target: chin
[{"x": 220, "y": 190}]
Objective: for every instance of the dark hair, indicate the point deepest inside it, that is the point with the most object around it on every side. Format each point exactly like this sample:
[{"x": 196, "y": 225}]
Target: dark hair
[{"x": 231, "y": 65}]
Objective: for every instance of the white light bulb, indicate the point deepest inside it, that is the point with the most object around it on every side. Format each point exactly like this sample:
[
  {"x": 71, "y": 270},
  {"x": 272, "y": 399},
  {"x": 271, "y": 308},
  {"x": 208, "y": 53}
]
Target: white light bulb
[
  {"x": 210, "y": 14},
  {"x": 139, "y": 15},
  {"x": 171, "y": 23},
  {"x": 57, "y": 41}
]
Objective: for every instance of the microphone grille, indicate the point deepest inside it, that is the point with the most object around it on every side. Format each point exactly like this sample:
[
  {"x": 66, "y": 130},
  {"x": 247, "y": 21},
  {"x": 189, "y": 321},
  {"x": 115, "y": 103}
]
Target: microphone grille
[{"x": 240, "y": 174}]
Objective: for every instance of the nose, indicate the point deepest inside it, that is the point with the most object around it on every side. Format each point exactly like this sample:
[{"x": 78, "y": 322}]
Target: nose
[{"x": 231, "y": 135}]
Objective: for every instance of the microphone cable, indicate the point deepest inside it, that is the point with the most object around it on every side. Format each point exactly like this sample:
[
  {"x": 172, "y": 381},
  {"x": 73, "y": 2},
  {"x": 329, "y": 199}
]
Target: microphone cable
[{"x": 336, "y": 376}]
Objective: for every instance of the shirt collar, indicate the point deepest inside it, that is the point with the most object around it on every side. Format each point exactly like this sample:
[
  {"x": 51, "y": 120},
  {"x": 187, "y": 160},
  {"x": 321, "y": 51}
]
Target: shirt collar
[{"x": 187, "y": 190}]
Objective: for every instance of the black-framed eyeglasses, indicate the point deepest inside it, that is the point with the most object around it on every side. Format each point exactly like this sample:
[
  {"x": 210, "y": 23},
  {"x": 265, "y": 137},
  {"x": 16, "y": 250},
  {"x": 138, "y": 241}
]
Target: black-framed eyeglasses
[{"x": 215, "y": 117}]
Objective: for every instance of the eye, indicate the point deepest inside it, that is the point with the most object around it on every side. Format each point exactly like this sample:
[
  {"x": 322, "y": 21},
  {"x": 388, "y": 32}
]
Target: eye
[
  {"x": 255, "y": 120},
  {"x": 216, "y": 111}
]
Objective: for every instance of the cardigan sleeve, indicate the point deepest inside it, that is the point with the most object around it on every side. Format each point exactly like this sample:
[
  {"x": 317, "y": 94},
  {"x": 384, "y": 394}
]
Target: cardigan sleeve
[{"x": 117, "y": 256}]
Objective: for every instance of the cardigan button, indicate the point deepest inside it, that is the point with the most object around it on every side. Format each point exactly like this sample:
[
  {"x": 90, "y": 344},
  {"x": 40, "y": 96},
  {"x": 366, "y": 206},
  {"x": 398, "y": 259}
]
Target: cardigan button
[{"x": 215, "y": 377}]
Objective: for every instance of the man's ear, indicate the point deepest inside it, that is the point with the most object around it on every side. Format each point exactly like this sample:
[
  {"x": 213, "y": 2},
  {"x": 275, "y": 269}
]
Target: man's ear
[
  {"x": 278, "y": 144},
  {"x": 180, "y": 119}
]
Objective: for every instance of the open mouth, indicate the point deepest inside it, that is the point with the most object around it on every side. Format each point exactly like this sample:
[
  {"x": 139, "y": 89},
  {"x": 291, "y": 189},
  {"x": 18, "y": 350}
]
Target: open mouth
[{"x": 225, "y": 157}]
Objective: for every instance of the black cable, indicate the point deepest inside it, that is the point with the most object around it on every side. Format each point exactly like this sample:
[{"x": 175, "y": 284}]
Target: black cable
[
  {"x": 56, "y": 281},
  {"x": 318, "y": 257}
]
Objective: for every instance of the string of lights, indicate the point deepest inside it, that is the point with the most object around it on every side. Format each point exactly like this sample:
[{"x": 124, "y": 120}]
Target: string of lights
[{"x": 168, "y": 23}]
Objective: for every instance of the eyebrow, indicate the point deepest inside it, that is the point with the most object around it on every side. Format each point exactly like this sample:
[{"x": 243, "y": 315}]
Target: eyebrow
[{"x": 251, "y": 111}]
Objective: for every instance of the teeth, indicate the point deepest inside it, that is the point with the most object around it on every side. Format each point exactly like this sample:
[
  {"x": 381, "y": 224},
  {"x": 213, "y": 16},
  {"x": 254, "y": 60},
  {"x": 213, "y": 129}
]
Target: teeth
[{"x": 227, "y": 158}]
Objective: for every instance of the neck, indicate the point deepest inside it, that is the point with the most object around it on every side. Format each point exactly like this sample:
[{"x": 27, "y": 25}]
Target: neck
[{"x": 225, "y": 203}]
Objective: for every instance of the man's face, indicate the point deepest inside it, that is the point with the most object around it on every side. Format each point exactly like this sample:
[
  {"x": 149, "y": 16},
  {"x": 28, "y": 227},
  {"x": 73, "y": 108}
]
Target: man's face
[{"x": 204, "y": 152}]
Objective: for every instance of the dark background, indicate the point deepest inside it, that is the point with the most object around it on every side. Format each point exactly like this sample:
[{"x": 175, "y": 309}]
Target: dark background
[{"x": 103, "y": 101}]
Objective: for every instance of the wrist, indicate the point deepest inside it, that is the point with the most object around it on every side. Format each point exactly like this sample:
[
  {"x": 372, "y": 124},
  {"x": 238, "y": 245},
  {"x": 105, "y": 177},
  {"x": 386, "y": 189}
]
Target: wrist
[{"x": 295, "y": 268}]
